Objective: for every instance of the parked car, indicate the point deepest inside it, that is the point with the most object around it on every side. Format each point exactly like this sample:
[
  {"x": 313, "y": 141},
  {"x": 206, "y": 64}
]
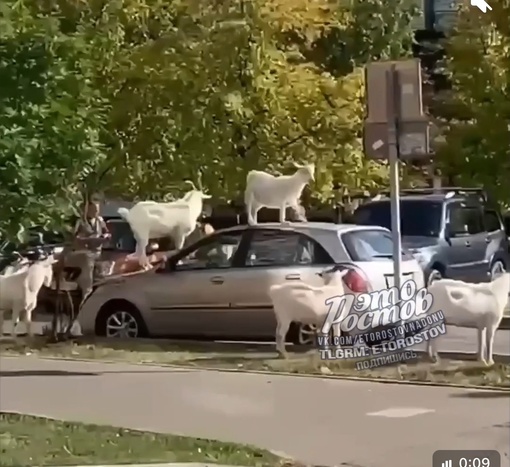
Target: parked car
[
  {"x": 455, "y": 233},
  {"x": 218, "y": 286}
]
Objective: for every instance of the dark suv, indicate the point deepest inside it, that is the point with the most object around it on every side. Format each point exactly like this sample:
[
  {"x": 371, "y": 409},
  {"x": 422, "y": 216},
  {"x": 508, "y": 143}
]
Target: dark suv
[{"x": 452, "y": 232}]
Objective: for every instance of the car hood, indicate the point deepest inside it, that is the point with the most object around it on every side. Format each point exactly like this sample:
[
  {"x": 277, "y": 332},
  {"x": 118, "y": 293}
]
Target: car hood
[{"x": 415, "y": 242}]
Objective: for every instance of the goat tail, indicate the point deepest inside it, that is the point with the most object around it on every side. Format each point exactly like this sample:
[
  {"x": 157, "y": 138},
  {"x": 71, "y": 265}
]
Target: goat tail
[{"x": 124, "y": 213}]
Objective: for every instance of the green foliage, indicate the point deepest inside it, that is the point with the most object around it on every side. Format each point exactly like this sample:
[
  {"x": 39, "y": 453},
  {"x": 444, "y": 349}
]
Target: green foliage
[
  {"x": 477, "y": 111},
  {"x": 131, "y": 97},
  {"x": 50, "y": 119}
]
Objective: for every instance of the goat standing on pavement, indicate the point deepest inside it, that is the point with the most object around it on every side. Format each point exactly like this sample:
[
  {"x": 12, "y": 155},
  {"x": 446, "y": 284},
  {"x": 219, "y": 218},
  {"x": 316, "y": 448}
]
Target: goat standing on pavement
[
  {"x": 20, "y": 288},
  {"x": 295, "y": 302},
  {"x": 479, "y": 306}
]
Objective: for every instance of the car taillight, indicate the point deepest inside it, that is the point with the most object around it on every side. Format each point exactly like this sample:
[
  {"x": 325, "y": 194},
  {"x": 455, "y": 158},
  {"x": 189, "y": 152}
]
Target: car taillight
[{"x": 356, "y": 282}]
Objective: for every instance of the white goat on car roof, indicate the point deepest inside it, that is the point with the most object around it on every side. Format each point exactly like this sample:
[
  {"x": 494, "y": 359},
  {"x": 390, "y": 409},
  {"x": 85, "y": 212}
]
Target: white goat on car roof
[
  {"x": 266, "y": 190},
  {"x": 19, "y": 288},
  {"x": 176, "y": 219},
  {"x": 303, "y": 303},
  {"x": 479, "y": 306}
]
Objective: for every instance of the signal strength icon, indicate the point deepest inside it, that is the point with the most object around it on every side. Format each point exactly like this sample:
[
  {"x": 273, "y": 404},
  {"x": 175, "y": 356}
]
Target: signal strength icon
[{"x": 448, "y": 463}]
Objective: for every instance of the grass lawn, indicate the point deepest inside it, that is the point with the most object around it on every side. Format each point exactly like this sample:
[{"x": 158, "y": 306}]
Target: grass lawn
[
  {"x": 239, "y": 357},
  {"x": 37, "y": 441}
]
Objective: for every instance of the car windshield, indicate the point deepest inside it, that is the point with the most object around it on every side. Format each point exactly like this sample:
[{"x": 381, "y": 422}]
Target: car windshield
[{"x": 418, "y": 218}]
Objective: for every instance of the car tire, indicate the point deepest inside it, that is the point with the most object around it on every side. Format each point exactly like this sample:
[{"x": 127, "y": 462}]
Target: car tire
[
  {"x": 123, "y": 315},
  {"x": 434, "y": 275},
  {"x": 497, "y": 267}
]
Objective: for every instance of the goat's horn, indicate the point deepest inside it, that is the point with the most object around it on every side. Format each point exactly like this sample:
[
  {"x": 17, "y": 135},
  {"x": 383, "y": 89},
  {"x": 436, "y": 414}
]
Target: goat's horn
[{"x": 189, "y": 182}]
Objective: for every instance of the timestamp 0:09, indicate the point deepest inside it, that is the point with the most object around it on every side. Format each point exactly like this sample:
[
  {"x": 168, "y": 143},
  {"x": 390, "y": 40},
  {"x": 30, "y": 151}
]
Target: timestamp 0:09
[{"x": 475, "y": 462}]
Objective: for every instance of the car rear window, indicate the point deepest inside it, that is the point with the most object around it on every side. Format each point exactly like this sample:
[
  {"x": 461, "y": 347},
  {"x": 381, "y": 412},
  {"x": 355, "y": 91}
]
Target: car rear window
[
  {"x": 370, "y": 245},
  {"x": 418, "y": 218}
]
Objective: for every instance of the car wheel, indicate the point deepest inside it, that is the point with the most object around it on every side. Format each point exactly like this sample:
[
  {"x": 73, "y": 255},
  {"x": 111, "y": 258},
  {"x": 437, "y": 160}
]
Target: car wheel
[
  {"x": 121, "y": 321},
  {"x": 306, "y": 334},
  {"x": 497, "y": 268},
  {"x": 434, "y": 276}
]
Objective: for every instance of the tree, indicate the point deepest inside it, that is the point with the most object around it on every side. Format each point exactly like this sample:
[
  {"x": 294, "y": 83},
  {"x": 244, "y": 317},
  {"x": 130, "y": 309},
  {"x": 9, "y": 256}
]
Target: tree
[
  {"x": 476, "y": 114},
  {"x": 51, "y": 119}
]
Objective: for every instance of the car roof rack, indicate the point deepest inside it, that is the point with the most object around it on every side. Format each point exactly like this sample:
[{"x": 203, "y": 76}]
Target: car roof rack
[{"x": 447, "y": 191}]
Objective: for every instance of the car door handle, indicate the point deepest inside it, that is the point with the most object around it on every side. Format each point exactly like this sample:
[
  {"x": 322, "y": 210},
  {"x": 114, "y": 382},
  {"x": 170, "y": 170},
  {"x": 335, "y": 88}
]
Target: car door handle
[
  {"x": 217, "y": 280},
  {"x": 292, "y": 277},
  {"x": 468, "y": 243},
  {"x": 488, "y": 240}
]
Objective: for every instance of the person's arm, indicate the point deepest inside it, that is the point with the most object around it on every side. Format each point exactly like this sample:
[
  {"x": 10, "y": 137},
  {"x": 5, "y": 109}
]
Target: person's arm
[
  {"x": 76, "y": 231},
  {"x": 105, "y": 232}
]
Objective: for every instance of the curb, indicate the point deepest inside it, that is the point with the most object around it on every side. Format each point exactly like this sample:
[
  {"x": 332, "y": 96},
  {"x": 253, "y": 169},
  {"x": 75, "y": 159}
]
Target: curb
[{"x": 282, "y": 373}]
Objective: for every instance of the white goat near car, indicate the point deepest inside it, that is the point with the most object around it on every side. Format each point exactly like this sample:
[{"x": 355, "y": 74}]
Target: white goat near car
[
  {"x": 19, "y": 288},
  {"x": 479, "y": 306},
  {"x": 305, "y": 304},
  {"x": 266, "y": 190},
  {"x": 176, "y": 219}
]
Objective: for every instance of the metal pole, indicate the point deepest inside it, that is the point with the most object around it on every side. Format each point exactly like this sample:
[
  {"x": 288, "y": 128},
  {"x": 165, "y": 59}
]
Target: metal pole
[{"x": 393, "y": 105}]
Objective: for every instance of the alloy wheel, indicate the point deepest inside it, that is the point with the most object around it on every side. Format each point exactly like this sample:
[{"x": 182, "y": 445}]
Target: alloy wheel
[
  {"x": 306, "y": 334},
  {"x": 122, "y": 324}
]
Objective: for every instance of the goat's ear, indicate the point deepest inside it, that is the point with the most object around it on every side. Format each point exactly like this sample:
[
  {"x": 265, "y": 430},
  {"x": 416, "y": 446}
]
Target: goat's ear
[
  {"x": 204, "y": 196},
  {"x": 298, "y": 166}
]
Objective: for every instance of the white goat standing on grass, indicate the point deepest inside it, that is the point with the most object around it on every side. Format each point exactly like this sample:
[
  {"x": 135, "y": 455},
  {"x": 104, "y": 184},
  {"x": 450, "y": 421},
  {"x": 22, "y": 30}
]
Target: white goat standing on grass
[
  {"x": 176, "y": 219},
  {"x": 305, "y": 304},
  {"x": 19, "y": 290},
  {"x": 266, "y": 190},
  {"x": 479, "y": 306}
]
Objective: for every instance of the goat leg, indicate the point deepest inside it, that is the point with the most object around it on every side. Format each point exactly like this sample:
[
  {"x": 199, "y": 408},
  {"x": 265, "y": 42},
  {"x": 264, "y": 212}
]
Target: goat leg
[
  {"x": 490, "y": 331},
  {"x": 16, "y": 311},
  {"x": 281, "y": 333},
  {"x": 481, "y": 345},
  {"x": 432, "y": 350},
  {"x": 28, "y": 319},
  {"x": 282, "y": 213}
]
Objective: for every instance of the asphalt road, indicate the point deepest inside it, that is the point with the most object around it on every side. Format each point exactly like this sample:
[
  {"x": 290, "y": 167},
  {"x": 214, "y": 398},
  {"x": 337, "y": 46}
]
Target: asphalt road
[
  {"x": 319, "y": 421},
  {"x": 457, "y": 340}
]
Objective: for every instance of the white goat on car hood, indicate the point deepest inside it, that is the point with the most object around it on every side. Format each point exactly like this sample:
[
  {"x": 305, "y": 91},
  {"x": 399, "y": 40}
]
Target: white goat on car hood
[
  {"x": 479, "y": 306},
  {"x": 176, "y": 219},
  {"x": 266, "y": 190}
]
